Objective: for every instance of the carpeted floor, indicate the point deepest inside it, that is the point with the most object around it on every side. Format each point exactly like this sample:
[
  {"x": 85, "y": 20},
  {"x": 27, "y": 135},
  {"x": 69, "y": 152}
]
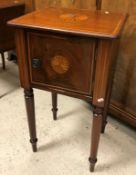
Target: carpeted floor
[{"x": 63, "y": 144}]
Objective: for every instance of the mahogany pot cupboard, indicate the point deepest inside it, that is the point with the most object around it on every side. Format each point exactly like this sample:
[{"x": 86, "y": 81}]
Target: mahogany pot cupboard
[
  {"x": 122, "y": 104},
  {"x": 71, "y": 52}
]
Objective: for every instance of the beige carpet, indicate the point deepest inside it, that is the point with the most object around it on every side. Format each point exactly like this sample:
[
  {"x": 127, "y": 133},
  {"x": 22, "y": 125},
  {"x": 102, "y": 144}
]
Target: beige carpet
[{"x": 64, "y": 144}]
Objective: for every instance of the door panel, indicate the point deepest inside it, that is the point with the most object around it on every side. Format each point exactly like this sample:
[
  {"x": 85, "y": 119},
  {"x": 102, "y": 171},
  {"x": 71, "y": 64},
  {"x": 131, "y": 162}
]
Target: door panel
[{"x": 61, "y": 61}]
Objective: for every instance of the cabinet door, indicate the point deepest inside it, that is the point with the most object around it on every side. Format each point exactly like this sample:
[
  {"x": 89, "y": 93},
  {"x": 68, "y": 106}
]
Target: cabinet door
[
  {"x": 123, "y": 102},
  {"x": 61, "y": 61}
]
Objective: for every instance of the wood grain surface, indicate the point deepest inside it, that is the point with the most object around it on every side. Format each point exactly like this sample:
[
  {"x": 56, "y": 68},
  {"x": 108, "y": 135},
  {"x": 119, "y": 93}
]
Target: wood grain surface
[
  {"x": 85, "y": 4},
  {"x": 61, "y": 67},
  {"x": 83, "y": 22}
]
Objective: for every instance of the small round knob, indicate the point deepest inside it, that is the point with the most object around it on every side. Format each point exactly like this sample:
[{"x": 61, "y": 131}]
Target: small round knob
[{"x": 36, "y": 63}]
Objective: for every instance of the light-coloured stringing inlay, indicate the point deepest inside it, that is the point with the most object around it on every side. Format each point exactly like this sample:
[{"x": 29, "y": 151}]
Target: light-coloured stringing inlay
[
  {"x": 73, "y": 17},
  {"x": 60, "y": 64}
]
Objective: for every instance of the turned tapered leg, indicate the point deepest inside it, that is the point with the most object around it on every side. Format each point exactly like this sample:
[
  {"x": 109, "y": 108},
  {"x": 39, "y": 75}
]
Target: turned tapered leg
[
  {"x": 30, "y": 108},
  {"x": 105, "y": 112},
  {"x": 106, "y": 106},
  {"x": 3, "y": 61},
  {"x": 96, "y": 130},
  {"x": 54, "y": 105}
]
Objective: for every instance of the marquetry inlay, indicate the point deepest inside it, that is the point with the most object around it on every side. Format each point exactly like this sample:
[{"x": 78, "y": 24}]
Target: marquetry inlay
[
  {"x": 73, "y": 17},
  {"x": 60, "y": 64}
]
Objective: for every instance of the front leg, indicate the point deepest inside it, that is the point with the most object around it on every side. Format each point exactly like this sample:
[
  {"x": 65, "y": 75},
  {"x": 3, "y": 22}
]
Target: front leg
[
  {"x": 54, "y": 105},
  {"x": 105, "y": 112},
  {"x": 30, "y": 108},
  {"x": 96, "y": 130}
]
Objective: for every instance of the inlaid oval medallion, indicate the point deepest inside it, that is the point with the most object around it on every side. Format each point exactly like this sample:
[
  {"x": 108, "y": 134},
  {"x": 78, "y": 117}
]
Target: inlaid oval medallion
[
  {"x": 60, "y": 64},
  {"x": 73, "y": 17}
]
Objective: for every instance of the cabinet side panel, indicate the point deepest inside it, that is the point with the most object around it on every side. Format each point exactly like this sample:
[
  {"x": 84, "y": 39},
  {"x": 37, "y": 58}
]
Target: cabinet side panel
[{"x": 105, "y": 63}]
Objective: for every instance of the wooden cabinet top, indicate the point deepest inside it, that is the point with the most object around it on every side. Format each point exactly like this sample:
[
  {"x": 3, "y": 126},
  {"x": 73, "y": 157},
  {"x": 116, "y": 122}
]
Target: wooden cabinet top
[{"x": 81, "y": 22}]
